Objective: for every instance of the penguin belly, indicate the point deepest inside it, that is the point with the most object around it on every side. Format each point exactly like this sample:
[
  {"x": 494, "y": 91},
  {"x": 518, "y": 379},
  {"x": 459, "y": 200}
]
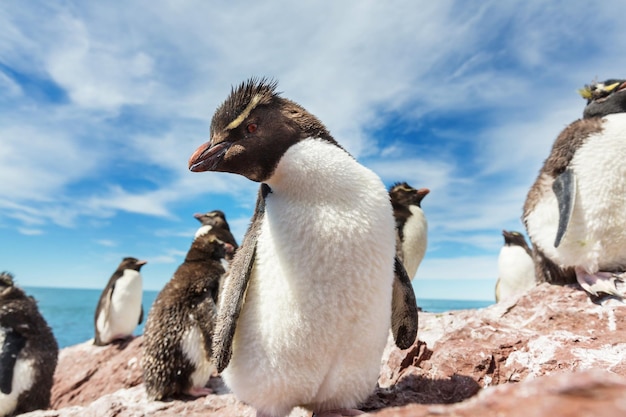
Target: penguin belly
[
  {"x": 516, "y": 270},
  {"x": 22, "y": 381},
  {"x": 124, "y": 309},
  {"x": 317, "y": 310},
  {"x": 595, "y": 238},
  {"x": 415, "y": 240},
  {"x": 193, "y": 349}
]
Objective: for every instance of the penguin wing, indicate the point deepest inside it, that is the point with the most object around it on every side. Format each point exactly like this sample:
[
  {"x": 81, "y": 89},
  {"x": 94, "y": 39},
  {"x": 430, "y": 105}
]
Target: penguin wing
[
  {"x": 102, "y": 312},
  {"x": 11, "y": 347},
  {"x": 235, "y": 285},
  {"x": 564, "y": 188},
  {"x": 141, "y": 315},
  {"x": 403, "y": 308},
  {"x": 205, "y": 319}
]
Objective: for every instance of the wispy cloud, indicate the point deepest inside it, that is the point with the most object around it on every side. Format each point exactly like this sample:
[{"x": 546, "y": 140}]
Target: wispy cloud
[{"x": 101, "y": 105}]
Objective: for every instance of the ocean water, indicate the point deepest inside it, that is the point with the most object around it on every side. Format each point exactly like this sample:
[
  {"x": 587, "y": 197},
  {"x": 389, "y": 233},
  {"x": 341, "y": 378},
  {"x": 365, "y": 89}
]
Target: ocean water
[{"x": 70, "y": 311}]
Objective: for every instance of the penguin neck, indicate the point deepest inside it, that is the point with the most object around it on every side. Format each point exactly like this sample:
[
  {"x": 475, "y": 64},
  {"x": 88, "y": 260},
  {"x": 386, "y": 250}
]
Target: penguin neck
[
  {"x": 198, "y": 255},
  {"x": 401, "y": 213},
  {"x": 299, "y": 171}
]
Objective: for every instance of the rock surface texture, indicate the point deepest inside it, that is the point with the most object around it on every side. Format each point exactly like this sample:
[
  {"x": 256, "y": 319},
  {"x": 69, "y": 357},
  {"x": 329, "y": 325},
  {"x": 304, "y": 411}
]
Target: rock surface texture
[{"x": 550, "y": 352}]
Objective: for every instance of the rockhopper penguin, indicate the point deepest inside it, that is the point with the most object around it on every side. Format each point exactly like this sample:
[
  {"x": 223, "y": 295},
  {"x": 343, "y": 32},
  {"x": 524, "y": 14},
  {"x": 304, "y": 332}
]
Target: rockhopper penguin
[
  {"x": 315, "y": 271},
  {"x": 516, "y": 270},
  {"x": 119, "y": 309},
  {"x": 28, "y": 352},
  {"x": 178, "y": 335},
  {"x": 411, "y": 225},
  {"x": 575, "y": 212}
]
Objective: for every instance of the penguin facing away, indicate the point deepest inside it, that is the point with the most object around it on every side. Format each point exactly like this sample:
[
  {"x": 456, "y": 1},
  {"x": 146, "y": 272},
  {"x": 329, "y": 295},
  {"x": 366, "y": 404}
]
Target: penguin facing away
[
  {"x": 411, "y": 225},
  {"x": 178, "y": 334},
  {"x": 28, "y": 352},
  {"x": 516, "y": 269},
  {"x": 119, "y": 308},
  {"x": 316, "y": 265},
  {"x": 575, "y": 212}
]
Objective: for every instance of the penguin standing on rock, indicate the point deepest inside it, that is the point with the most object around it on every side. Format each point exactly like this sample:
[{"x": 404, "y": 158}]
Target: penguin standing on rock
[
  {"x": 575, "y": 212},
  {"x": 411, "y": 225},
  {"x": 119, "y": 309},
  {"x": 178, "y": 335},
  {"x": 516, "y": 270},
  {"x": 28, "y": 352},
  {"x": 316, "y": 267}
]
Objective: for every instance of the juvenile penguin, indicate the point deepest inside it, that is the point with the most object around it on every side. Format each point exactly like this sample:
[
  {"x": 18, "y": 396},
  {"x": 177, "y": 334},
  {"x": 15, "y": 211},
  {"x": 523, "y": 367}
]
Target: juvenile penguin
[
  {"x": 516, "y": 270},
  {"x": 178, "y": 334},
  {"x": 411, "y": 225},
  {"x": 119, "y": 309},
  {"x": 217, "y": 219},
  {"x": 575, "y": 212},
  {"x": 316, "y": 264},
  {"x": 28, "y": 352}
]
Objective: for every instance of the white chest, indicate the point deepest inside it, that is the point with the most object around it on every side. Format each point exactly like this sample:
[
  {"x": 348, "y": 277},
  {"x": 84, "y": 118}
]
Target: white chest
[
  {"x": 516, "y": 271},
  {"x": 322, "y": 278},
  {"x": 594, "y": 238},
  {"x": 23, "y": 378},
  {"x": 415, "y": 240},
  {"x": 122, "y": 317}
]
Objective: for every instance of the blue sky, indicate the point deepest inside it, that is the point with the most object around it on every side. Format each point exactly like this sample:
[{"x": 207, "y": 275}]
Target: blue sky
[{"x": 102, "y": 103}]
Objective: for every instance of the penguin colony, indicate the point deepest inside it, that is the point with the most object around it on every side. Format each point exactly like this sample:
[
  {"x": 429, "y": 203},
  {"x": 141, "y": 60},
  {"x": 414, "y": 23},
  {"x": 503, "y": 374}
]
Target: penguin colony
[
  {"x": 308, "y": 290},
  {"x": 298, "y": 290},
  {"x": 28, "y": 352}
]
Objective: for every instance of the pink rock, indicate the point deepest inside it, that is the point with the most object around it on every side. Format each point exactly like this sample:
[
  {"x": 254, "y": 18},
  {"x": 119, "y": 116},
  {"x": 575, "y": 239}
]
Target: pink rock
[{"x": 551, "y": 352}]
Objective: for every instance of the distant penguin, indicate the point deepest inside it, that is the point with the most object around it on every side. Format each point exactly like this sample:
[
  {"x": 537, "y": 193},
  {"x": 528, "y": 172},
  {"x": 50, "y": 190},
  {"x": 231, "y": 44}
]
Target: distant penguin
[
  {"x": 28, "y": 352},
  {"x": 575, "y": 212},
  {"x": 119, "y": 309},
  {"x": 316, "y": 268},
  {"x": 411, "y": 225},
  {"x": 516, "y": 270},
  {"x": 217, "y": 219},
  {"x": 178, "y": 334}
]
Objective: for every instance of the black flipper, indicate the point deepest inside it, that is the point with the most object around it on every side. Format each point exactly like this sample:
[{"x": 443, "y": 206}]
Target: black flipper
[
  {"x": 235, "y": 285},
  {"x": 564, "y": 188},
  {"x": 11, "y": 347},
  {"x": 141, "y": 315},
  {"x": 403, "y": 308}
]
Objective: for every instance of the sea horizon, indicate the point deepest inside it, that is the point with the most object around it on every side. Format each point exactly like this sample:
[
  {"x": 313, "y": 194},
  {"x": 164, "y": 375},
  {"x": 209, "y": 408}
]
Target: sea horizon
[{"x": 70, "y": 311}]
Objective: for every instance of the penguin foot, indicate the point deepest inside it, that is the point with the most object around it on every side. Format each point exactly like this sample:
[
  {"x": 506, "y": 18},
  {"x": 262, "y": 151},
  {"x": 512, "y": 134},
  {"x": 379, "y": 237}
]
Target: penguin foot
[
  {"x": 339, "y": 413},
  {"x": 601, "y": 282},
  {"x": 199, "y": 391}
]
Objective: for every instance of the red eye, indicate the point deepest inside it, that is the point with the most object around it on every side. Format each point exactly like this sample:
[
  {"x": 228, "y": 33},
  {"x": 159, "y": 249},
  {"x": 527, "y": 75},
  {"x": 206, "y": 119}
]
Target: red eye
[{"x": 252, "y": 127}]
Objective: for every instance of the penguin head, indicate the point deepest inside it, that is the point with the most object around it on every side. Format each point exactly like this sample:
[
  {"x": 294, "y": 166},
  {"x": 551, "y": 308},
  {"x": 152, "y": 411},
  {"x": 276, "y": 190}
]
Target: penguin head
[
  {"x": 402, "y": 194},
  {"x": 252, "y": 129},
  {"x": 215, "y": 218},
  {"x": 8, "y": 290},
  {"x": 514, "y": 238},
  {"x": 604, "y": 98},
  {"x": 6, "y": 283},
  {"x": 131, "y": 263},
  {"x": 211, "y": 246}
]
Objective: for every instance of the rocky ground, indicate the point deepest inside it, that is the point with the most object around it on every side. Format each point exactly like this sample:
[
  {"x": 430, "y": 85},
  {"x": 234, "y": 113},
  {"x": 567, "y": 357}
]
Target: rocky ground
[{"x": 551, "y": 352}]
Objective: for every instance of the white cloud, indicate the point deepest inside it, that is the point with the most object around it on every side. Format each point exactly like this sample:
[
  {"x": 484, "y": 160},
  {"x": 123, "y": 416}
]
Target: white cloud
[
  {"x": 30, "y": 232},
  {"x": 461, "y": 267},
  {"x": 139, "y": 83},
  {"x": 106, "y": 242}
]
